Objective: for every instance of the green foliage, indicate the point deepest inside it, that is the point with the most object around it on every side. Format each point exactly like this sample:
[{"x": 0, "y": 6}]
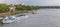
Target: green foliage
[
  {"x": 23, "y": 7},
  {"x": 20, "y": 7},
  {"x": 3, "y": 8}
]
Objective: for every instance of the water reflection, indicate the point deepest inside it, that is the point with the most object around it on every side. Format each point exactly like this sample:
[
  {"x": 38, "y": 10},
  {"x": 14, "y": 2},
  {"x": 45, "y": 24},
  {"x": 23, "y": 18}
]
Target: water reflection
[
  {"x": 1, "y": 24},
  {"x": 14, "y": 24}
]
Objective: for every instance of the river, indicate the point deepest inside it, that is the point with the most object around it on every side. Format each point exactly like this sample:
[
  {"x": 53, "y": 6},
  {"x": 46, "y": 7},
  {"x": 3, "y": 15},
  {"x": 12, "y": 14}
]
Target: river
[{"x": 43, "y": 18}]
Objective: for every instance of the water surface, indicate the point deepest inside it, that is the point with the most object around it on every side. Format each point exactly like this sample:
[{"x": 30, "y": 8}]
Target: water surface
[{"x": 43, "y": 18}]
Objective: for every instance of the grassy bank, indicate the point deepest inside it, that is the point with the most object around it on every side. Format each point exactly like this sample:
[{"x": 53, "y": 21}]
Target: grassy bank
[{"x": 4, "y": 9}]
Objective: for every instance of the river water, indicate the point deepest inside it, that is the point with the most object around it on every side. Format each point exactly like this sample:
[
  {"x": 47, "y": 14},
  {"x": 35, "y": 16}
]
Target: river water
[{"x": 43, "y": 18}]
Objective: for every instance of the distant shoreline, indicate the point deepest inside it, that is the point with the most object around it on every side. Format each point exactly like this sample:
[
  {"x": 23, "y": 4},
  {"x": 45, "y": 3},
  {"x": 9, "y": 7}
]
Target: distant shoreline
[{"x": 49, "y": 6}]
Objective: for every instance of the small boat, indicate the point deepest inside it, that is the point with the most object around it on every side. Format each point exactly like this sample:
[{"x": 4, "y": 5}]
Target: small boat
[
  {"x": 33, "y": 13},
  {"x": 11, "y": 19}
]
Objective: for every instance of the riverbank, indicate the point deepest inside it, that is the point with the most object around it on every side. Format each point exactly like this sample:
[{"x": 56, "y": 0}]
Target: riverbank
[
  {"x": 5, "y": 11},
  {"x": 2, "y": 15},
  {"x": 12, "y": 13}
]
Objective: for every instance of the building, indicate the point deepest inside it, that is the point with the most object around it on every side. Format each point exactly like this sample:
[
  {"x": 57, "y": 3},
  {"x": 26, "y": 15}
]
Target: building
[{"x": 12, "y": 8}]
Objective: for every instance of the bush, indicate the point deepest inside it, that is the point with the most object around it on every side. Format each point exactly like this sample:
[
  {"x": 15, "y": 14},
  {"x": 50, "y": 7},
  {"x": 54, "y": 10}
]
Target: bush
[
  {"x": 23, "y": 7},
  {"x": 4, "y": 8}
]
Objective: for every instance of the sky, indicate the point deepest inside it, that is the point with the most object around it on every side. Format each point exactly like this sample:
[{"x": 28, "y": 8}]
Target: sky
[{"x": 34, "y": 2}]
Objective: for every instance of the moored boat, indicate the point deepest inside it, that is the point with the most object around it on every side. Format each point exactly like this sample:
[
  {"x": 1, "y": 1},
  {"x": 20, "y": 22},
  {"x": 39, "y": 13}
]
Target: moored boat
[{"x": 11, "y": 19}]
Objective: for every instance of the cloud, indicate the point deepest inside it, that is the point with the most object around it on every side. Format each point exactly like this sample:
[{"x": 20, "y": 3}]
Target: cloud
[
  {"x": 1, "y": 1},
  {"x": 35, "y": 2}
]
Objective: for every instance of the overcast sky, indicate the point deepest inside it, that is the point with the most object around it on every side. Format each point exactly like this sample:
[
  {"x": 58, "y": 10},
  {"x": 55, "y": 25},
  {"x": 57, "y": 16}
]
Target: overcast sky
[{"x": 35, "y": 2}]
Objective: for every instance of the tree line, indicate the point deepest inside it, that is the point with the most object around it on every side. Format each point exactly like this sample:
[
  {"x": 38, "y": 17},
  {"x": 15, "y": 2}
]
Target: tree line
[{"x": 5, "y": 8}]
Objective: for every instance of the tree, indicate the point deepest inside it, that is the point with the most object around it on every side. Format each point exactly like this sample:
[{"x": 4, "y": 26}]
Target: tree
[
  {"x": 3, "y": 8},
  {"x": 26, "y": 7}
]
